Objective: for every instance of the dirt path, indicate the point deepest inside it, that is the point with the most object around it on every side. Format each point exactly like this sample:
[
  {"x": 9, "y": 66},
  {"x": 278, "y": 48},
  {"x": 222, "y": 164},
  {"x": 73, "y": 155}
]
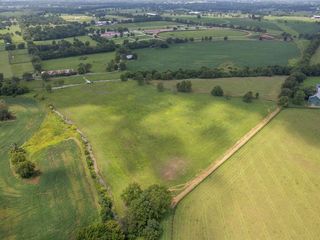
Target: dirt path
[
  {"x": 216, "y": 164},
  {"x": 79, "y": 84}
]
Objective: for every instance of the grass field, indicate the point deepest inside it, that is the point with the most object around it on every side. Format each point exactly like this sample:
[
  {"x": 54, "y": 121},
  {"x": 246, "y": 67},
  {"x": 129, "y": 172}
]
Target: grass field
[
  {"x": 214, "y": 54},
  {"x": 77, "y": 18},
  {"x": 315, "y": 59},
  {"x": 145, "y": 25},
  {"x": 238, "y": 21},
  {"x": 198, "y": 34},
  {"x": 141, "y": 135},
  {"x": 268, "y": 190},
  {"x": 268, "y": 87},
  {"x": 311, "y": 81},
  {"x": 17, "y": 69},
  {"x": 19, "y": 56},
  {"x": 12, "y": 30},
  {"x": 70, "y": 39},
  {"x": 99, "y": 62},
  {"x": 61, "y": 200}
]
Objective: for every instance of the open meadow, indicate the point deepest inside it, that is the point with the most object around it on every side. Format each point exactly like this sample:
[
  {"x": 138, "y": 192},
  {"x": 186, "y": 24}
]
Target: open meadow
[
  {"x": 141, "y": 135},
  {"x": 20, "y": 63},
  {"x": 198, "y": 34},
  {"x": 267, "y": 190},
  {"x": 99, "y": 62},
  {"x": 44, "y": 207},
  {"x": 215, "y": 54},
  {"x": 267, "y": 87}
]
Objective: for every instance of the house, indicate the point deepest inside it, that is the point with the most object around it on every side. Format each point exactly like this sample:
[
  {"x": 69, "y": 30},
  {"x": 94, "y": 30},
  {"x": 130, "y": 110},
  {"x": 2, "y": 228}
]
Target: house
[
  {"x": 63, "y": 72},
  {"x": 315, "y": 99},
  {"x": 316, "y": 17},
  {"x": 129, "y": 57}
]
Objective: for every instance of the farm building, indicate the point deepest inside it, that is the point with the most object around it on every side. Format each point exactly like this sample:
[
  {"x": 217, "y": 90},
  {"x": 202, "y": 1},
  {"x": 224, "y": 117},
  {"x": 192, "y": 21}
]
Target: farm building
[{"x": 315, "y": 99}]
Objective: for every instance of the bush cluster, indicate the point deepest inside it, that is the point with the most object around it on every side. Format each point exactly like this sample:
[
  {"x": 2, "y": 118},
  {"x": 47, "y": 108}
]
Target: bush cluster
[{"x": 23, "y": 167}]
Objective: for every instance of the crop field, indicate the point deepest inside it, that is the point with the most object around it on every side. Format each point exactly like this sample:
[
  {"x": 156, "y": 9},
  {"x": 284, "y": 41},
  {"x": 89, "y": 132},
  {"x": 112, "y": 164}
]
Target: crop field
[
  {"x": 198, "y": 34},
  {"x": 214, "y": 54},
  {"x": 45, "y": 207},
  {"x": 70, "y": 39},
  {"x": 10, "y": 70},
  {"x": 99, "y": 62},
  {"x": 141, "y": 135},
  {"x": 267, "y": 87},
  {"x": 268, "y": 190}
]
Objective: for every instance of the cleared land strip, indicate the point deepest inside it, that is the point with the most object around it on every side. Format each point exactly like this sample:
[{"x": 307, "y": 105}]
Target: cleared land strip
[
  {"x": 79, "y": 84},
  {"x": 216, "y": 164}
]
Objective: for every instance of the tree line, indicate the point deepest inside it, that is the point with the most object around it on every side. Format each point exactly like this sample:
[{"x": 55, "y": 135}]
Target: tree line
[{"x": 39, "y": 33}]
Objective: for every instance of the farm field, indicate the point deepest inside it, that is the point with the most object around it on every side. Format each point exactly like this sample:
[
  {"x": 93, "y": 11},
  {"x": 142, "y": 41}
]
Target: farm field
[
  {"x": 16, "y": 69},
  {"x": 70, "y": 39},
  {"x": 268, "y": 87},
  {"x": 76, "y": 17},
  {"x": 268, "y": 190},
  {"x": 19, "y": 56},
  {"x": 198, "y": 34},
  {"x": 140, "y": 135},
  {"x": 45, "y": 207},
  {"x": 99, "y": 62},
  {"x": 214, "y": 54}
]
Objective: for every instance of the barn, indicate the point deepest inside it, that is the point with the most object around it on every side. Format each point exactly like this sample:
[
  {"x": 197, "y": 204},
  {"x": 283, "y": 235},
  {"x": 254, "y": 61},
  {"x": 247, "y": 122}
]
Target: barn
[{"x": 315, "y": 99}]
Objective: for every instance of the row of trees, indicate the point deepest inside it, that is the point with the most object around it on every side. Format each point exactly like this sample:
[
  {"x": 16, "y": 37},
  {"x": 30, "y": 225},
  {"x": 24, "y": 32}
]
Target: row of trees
[
  {"x": 206, "y": 72},
  {"x": 145, "y": 209},
  {"x": 23, "y": 167},
  {"x": 65, "y": 48}
]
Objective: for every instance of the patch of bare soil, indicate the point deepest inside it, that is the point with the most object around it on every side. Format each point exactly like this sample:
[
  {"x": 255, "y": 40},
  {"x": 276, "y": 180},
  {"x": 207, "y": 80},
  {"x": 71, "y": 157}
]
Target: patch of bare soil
[{"x": 174, "y": 168}]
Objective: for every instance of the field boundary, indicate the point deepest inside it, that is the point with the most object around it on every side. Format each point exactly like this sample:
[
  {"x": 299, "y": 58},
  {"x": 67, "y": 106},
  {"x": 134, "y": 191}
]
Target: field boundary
[
  {"x": 88, "y": 147},
  {"x": 191, "y": 185}
]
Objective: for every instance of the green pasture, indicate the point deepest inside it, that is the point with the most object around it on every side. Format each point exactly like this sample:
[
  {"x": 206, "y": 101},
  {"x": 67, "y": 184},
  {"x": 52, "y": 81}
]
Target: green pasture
[
  {"x": 141, "y": 135},
  {"x": 198, "y": 34},
  {"x": 237, "y": 21},
  {"x": 70, "y": 39},
  {"x": 267, "y": 87},
  {"x": 62, "y": 199},
  {"x": 12, "y": 30},
  {"x": 214, "y": 54},
  {"x": 99, "y": 62},
  {"x": 146, "y": 25},
  {"x": 19, "y": 56},
  {"x": 267, "y": 190},
  {"x": 16, "y": 69}
]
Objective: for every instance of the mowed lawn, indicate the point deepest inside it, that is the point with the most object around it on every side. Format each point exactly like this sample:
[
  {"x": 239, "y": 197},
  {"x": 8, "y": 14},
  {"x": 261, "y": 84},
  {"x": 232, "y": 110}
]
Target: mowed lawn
[
  {"x": 214, "y": 54},
  {"x": 267, "y": 87},
  {"x": 141, "y": 135},
  {"x": 267, "y": 190},
  {"x": 62, "y": 199},
  {"x": 198, "y": 34},
  {"x": 16, "y": 69},
  {"x": 98, "y": 61}
]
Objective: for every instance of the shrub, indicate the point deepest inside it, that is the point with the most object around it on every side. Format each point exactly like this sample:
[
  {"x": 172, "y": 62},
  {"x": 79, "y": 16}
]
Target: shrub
[
  {"x": 217, "y": 91},
  {"x": 184, "y": 86},
  {"x": 248, "y": 97},
  {"x": 299, "y": 97},
  {"x": 25, "y": 169},
  {"x": 101, "y": 231},
  {"x": 283, "y": 101},
  {"x": 4, "y": 111},
  {"x": 160, "y": 87}
]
